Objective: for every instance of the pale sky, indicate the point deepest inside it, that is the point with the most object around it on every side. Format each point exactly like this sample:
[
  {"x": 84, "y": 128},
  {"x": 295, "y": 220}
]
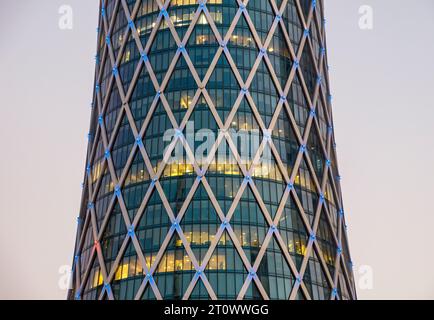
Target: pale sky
[{"x": 382, "y": 83}]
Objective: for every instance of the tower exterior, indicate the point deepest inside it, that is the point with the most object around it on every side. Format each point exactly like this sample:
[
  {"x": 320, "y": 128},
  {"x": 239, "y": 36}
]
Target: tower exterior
[{"x": 211, "y": 166}]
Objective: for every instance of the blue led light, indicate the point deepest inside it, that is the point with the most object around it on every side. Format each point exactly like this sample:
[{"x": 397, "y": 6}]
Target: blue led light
[
  {"x": 278, "y": 17},
  {"x": 97, "y": 88},
  {"x": 144, "y": 57},
  {"x": 328, "y": 163},
  {"x": 181, "y": 48},
  {"x": 131, "y": 23},
  {"x": 330, "y": 129},
  {"x": 117, "y": 190},
  {"x": 273, "y": 228},
  {"x": 242, "y": 6},
  {"x": 338, "y": 178},
  {"x": 322, "y": 198},
  {"x": 88, "y": 169},
  {"x": 199, "y": 272},
  {"x": 335, "y": 291},
  {"x": 154, "y": 181},
  {"x": 202, "y": 5},
  {"x": 107, "y": 154},
  {"x": 303, "y": 148},
  {"x": 252, "y": 273},
  {"x": 290, "y": 186},
  {"x": 131, "y": 231},
  {"x": 78, "y": 220},
  {"x": 163, "y": 12},
  {"x": 339, "y": 249},
  {"x": 283, "y": 98},
  {"x": 107, "y": 40},
  {"x": 77, "y": 296},
  {"x": 244, "y": 90},
  {"x": 248, "y": 178},
  {"x": 306, "y": 33},
  {"x": 341, "y": 212},
  {"x": 323, "y": 51},
  {"x": 312, "y": 113},
  {"x": 175, "y": 224},
  {"x": 90, "y": 205},
  {"x": 97, "y": 29},
  {"x": 115, "y": 70},
  {"x": 263, "y": 51},
  {"x": 267, "y": 135},
  {"x": 298, "y": 279},
  {"x": 223, "y": 44},
  {"x": 100, "y": 119},
  {"x": 103, "y": 11},
  {"x": 312, "y": 237},
  {"x": 139, "y": 141},
  {"x": 158, "y": 93},
  {"x": 225, "y": 223},
  {"x": 319, "y": 79},
  {"x": 296, "y": 64},
  {"x": 178, "y": 133},
  {"x": 314, "y": 4}
]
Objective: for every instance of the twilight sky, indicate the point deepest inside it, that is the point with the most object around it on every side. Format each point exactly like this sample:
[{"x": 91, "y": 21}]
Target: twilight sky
[{"x": 382, "y": 82}]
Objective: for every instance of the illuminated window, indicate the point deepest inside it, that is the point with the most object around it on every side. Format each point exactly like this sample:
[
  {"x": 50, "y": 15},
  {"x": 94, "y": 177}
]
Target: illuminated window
[
  {"x": 127, "y": 56},
  {"x": 125, "y": 268},
  {"x": 179, "y": 243},
  {"x": 300, "y": 248},
  {"x": 122, "y": 272},
  {"x": 202, "y": 39},
  {"x": 96, "y": 172},
  {"x": 217, "y": 262},
  {"x": 97, "y": 279},
  {"x": 202, "y": 19},
  {"x": 185, "y": 102}
]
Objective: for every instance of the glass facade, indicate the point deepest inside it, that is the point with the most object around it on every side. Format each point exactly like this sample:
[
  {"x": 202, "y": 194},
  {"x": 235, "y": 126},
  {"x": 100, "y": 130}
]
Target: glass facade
[{"x": 258, "y": 222}]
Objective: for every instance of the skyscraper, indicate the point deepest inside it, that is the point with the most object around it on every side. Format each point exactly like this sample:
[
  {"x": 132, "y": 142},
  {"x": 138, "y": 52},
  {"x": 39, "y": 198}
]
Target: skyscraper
[{"x": 211, "y": 166}]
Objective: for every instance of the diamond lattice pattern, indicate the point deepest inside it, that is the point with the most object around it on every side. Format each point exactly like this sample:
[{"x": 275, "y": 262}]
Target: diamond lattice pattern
[{"x": 271, "y": 226}]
